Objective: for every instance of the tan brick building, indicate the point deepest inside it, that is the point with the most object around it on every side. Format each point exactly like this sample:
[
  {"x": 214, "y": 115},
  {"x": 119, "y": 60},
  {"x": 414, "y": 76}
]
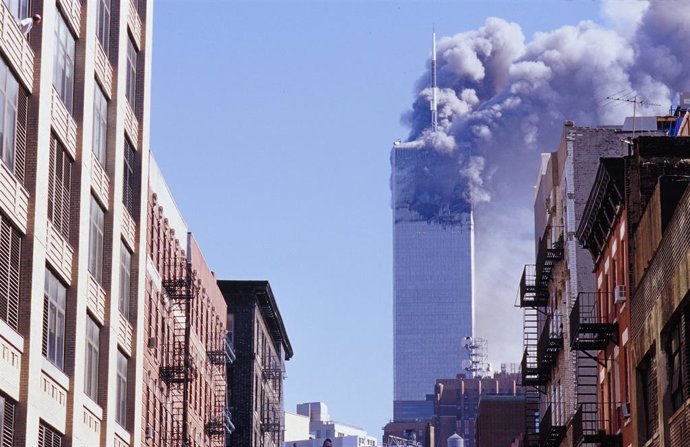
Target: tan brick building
[{"x": 75, "y": 106}]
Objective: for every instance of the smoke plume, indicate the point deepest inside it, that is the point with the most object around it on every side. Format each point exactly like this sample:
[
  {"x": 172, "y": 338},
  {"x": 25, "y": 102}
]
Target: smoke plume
[{"x": 506, "y": 99}]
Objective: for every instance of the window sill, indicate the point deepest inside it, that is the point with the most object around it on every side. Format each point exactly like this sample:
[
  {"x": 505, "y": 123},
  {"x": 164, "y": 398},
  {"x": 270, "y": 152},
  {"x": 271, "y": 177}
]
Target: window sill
[
  {"x": 93, "y": 407},
  {"x": 55, "y": 373},
  {"x": 122, "y": 433},
  {"x": 11, "y": 336}
]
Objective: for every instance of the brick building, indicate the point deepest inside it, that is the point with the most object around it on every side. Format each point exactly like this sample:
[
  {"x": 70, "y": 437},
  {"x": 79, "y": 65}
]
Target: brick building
[
  {"x": 75, "y": 102},
  {"x": 500, "y": 420},
  {"x": 562, "y": 271},
  {"x": 255, "y": 379},
  {"x": 600, "y": 321},
  {"x": 456, "y": 403},
  {"x": 185, "y": 329}
]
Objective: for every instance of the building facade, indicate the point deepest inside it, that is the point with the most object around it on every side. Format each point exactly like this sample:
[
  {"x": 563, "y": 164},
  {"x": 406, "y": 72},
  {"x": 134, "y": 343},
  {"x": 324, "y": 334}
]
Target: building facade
[
  {"x": 559, "y": 375},
  {"x": 456, "y": 403},
  {"x": 433, "y": 250},
  {"x": 500, "y": 420},
  {"x": 187, "y": 350},
  {"x": 312, "y": 425},
  {"x": 255, "y": 379},
  {"x": 75, "y": 139},
  {"x": 604, "y": 320}
]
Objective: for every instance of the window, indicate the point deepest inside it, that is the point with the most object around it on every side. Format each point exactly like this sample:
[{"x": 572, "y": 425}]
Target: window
[
  {"x": 9, "y": 99},
  {"x": 100, "y": 125},
  {"x": 18, "y": 8},
  {"x": 63, "y": 62},
  {"x": 96, "y": 226},
  {"x": 129, "y": 183},
  {"x": 121, "y": 390},
  {"x": 103, "y": 24},
  {"x": 6, "y": 422},
  {"x": 59, "y": 187},
  {"x": 131, "y": 92},
  {"x": 125, "y": 281},
  {"x": 676, "y": 385},
  {"x": 93, "y": 338},
  {"x": 47, "y": 437},
  {"x": 54, "y": 300},
  {"x": 10, "y": 250},
  {"x": 647, "y": 377}
]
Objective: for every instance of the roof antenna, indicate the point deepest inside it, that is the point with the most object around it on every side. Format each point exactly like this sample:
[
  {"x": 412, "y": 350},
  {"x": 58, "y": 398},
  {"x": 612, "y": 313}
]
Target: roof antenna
[
  {"x": 434, "y": 97},
  {"x": 635, "y": 102}
]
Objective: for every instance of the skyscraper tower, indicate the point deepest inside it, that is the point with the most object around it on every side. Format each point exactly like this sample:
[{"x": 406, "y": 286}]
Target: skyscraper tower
[{"x": 433, "y": 254}]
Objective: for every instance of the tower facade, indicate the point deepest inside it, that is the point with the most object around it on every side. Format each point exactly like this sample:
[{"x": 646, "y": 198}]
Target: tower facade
[{"x": 433, "y": 251}]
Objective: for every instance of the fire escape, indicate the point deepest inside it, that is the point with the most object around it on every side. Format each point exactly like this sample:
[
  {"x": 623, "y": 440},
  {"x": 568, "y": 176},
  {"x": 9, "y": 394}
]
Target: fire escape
[
  {"x": 271, "y": 415},
  {"x": 590, "y": 333},
  {"x": 177, "y": 369},
  {"x": 540, "y": 348},
  {"x": 220, "y": 424}
]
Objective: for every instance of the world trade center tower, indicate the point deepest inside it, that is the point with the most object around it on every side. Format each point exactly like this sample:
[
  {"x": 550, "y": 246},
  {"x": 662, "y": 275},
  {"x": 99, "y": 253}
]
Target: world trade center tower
[{"x": 433, "y": 258}]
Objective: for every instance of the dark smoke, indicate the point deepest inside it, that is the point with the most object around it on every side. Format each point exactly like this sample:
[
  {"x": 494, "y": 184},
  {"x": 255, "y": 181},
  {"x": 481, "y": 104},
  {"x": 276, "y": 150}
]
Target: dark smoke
[{"x": 507, "y": 99}]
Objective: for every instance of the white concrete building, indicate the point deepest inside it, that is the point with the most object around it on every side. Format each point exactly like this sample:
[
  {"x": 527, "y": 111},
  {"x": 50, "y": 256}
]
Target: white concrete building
[{"x": 311, "y": 426}]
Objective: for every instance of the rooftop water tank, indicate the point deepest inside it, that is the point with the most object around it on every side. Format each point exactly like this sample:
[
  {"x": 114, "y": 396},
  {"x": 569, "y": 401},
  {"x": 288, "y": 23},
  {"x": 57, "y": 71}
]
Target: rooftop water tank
[{"x": 456, "y": 441}]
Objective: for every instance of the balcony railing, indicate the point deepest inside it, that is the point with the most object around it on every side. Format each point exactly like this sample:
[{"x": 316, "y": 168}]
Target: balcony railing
[
  {"x": 592, "y": 424},
  {"x": 533, "y": 374},
  {"x": 590, "y": 331},
  {"x": 531, "y": 295},
  {"x": 549, "y": 345},
  {"x": 551, "y": 431}
]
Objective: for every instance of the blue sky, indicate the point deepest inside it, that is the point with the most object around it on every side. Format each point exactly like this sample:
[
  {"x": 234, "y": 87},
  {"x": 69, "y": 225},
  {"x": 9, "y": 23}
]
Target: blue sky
[{"x": 272, "y": 122}]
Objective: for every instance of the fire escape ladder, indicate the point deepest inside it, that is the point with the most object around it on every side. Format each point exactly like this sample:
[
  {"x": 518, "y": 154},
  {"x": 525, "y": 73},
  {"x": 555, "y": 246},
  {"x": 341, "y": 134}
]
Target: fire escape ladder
[
  {"x": 532, "y": 398},
  {"x": 177, "y": 370},
  {"x": 533, "y": 371}
]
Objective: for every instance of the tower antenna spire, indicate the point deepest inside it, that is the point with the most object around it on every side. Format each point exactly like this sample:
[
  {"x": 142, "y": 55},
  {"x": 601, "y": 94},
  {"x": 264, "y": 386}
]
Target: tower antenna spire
[{"x": 434, "y": 92}]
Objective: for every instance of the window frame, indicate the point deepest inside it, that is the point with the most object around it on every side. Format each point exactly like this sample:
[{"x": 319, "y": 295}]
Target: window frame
[
  {"x": 91, "y": 359},
  {"x": 103, "y": 24},
  {"x": 64, "y": 51},
  {"x": 131, "y": 86},
  {"x": 129, "y": 179},
  {"x": 99, "y": 145},
  {"x": 59, "y": 187},
  {"x": 96, "y": 239},
  {"x": 54, "y": 306},
  {"x": 18, "y": 8},
  {"x": 125, "y": 280},
  {"x": 9, "y": 115},
  {"x": 121, "y": 390}
]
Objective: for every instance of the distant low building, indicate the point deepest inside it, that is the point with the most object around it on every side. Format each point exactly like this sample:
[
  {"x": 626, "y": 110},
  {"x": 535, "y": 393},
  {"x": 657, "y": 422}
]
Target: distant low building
[
  {"x": 311, "y": 426},
  {"x": 500, "y": 420}
]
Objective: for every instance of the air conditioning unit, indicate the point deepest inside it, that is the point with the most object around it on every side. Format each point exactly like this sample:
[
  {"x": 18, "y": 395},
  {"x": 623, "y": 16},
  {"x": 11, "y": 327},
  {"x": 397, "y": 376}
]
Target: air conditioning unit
[
  {"x": 619, "y": 294},
  {"x": 625, "y": 410},
  {"x": 153, "y": 342},
  {"x": 149, "y": 432}
]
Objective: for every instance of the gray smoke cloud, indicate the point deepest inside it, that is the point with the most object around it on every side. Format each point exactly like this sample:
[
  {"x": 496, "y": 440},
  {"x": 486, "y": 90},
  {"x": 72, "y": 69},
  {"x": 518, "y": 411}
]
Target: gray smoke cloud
[{"x": 506, "y": 99}]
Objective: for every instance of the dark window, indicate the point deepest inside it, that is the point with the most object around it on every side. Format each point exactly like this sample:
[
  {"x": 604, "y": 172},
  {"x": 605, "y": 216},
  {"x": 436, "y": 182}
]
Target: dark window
[
  {"x": 675, "y": 366},
  {"x": 93, "y": 338},
  {"x": 63, "y": 62},
  {"x": 131, "y": 92},
  {"x": 103, "y": 24},
  {"x": 18, "y": 8},
  {"x": 129, "y": 183},
  {"x": 54, "y": 301},
  {"x": 125, "y": 279},
  {"x": 9, "y": 99},
  {"x": 121, "y": 390},
  {"x": 59, "y": 187},
  {"x": 96, "y": 230},
  {"x": 6, "y": 422},
  {"x": 47, "y": 437},
  {"x": 10, "y": 250},
  {"x": 647, "y": 376},
  {"x": 100, "y": 125}
]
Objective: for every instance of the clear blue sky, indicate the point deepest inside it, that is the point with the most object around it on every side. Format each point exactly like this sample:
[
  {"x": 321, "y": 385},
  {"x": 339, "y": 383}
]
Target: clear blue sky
[{"x": 272, "y": 122}]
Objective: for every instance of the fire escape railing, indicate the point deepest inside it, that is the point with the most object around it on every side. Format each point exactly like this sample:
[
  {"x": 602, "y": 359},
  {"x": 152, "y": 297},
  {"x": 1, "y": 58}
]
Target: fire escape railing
[
  {"x": 591, "y": 330},
  {"x": 549, "y": 345},
  {"x": 551, "y": 432},
  {"x": 593, "y": 423}
]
